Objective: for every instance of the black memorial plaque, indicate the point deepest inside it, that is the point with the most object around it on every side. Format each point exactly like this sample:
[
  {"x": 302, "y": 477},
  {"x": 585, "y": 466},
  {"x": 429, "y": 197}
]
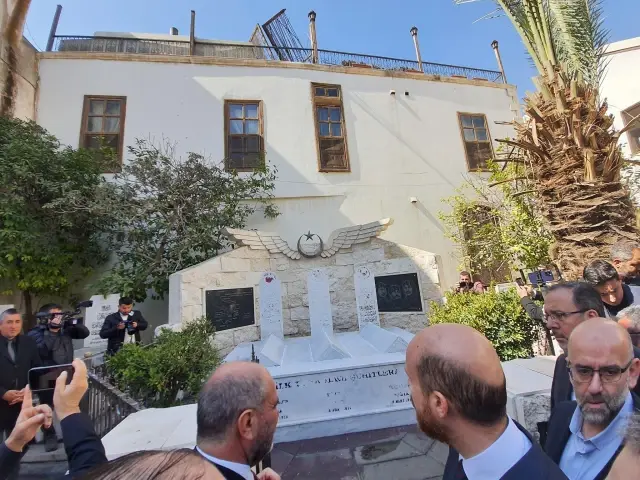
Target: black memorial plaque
[
  {"x": 398, "y": 293},
  {"x": 230, "y": 308}
]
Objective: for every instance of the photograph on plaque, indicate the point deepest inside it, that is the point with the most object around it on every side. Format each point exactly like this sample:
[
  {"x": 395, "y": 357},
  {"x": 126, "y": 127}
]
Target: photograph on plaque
[
  {"x": 398, "y": 293},
  {"x": 230, "y": 307}
]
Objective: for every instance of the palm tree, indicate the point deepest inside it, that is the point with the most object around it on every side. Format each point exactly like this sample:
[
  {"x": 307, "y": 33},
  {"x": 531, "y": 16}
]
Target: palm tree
[{"x": 567, "y": 140}]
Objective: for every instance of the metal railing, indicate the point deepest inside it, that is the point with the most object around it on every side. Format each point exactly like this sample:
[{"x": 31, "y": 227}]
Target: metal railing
[
  {"x": 65, "y": 43},
  {"x": 106, "y": 405}
]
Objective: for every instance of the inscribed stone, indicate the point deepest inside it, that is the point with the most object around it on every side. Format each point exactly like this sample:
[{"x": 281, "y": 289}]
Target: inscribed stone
[
  {"x": 319, "y": 302},
  {"x": 270, "y": 290},
  {"x": 366, "y": 300}
]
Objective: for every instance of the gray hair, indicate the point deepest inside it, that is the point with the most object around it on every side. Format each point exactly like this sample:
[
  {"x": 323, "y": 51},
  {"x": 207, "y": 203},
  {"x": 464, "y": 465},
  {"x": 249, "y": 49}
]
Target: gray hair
[
  {"x": 222, "y": 401},
  {"x": 7, "y": 312},
  {"x": 632, "y": 438},
  {"x": 632, "y": 312},
  {"x": 623, "y": 250}
]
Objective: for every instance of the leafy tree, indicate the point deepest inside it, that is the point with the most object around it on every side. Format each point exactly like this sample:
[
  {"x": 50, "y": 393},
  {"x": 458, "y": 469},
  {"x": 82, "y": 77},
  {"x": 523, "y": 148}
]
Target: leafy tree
[
  {"x": 498, "y": 316},
  {"x": 45, "y": 248},
  {"x": 568, "y": 141},
  {"x": 495, "y": 224},
  {"x": 168, "y": 214}
]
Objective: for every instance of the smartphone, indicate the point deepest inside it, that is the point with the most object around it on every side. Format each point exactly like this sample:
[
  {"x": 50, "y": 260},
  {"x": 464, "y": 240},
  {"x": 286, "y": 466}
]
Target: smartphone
[
  {"x": 44, "y": 378},
  {"x": 519, "y": 282}
]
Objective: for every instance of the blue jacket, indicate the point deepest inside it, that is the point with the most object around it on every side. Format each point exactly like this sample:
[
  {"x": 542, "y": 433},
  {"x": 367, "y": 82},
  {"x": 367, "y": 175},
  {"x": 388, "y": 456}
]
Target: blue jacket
[{"x": 535, "y": 465}]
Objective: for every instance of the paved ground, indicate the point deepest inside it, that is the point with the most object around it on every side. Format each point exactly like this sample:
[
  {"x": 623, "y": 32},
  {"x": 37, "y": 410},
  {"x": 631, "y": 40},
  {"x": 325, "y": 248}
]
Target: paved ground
[{"x": 401, "y": 453}]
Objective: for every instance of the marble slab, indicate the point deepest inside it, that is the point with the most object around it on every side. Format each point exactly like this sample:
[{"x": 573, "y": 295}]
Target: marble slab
[
  {"x": 270, "y": 290},
  {"x": 383, "y": 340},
  {"x": 366, "y": 299},
  {"x": 271, "y": 351},
  {"x": 319, "y": 302},
  {"x": 325, "y": 347}
]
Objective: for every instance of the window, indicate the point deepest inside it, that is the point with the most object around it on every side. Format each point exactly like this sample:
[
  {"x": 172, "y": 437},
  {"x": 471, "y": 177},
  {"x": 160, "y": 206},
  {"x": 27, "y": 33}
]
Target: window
[
  {"x": 477, "y": 142},
  {"x": 103, "y": 123},
  {"x": 633, "y": 134},
  {"x": 243, "y": 129},
  {"x": 331, "y": 136}
]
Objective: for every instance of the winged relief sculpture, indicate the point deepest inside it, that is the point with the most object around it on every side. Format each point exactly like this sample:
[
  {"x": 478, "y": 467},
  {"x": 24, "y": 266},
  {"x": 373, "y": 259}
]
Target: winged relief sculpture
[{"x": 338, "y": 240}]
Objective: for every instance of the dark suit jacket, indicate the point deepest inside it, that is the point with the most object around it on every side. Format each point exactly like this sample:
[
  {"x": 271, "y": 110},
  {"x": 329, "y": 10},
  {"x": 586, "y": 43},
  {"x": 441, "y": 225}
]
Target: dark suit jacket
[
  {"x": 535, "y": 465},
  {"x": 559, "y": 433},
  {"x": 116, "y": 337},
  {"x": 15, "y": 375},
  {"x": 561, "y": 387},
  {"x": 84, "y": 448}
]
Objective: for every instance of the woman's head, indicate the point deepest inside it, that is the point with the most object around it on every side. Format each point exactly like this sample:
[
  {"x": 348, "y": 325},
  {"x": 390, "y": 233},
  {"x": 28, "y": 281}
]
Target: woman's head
[{"x": 182, "y": 464}]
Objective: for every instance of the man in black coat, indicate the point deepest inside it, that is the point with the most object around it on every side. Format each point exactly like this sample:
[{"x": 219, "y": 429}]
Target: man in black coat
[
  {"x": 123, "y": 326},
  {"x": 18, "y": 355},
  {"x": 237, "y": 417},
  {"x": 585, "y": 437},
  {"x": 458, "y": 389}
]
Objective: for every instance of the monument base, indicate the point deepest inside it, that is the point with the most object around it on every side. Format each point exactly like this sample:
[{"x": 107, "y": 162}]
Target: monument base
[{"x": 368, "y": 390}]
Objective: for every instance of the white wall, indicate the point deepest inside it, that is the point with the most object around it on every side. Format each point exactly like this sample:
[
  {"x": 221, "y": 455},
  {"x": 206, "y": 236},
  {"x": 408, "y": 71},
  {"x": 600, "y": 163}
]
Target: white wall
[
  {"x": 621, "y": 86},
  {"x": 399, "y": 146}
]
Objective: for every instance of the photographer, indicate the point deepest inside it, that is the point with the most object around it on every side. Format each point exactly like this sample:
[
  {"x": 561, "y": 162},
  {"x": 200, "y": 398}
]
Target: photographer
[
  {"x": 124, "y": 326},
  {"x": 54, "y": 339},
  {"x": 465, "y": 284}
]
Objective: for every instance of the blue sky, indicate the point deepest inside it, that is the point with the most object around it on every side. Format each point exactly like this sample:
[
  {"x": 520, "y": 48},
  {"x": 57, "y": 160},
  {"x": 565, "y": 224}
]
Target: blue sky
[{"x": 377, "y": 27}]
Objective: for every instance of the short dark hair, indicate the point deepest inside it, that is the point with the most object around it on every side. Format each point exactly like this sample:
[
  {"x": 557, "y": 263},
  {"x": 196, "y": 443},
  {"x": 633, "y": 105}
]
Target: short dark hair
[
  {"x": 221, "y": 402},
  {"x": 181, "y": 464},
  {"x": 48, "y": 307},
  {"x": 599, "y": 272},
  {"x": 471, "y": 397},
  {"x": 584, "y": 296},
  {"x": 7, "y": 312},
  {"x": 125, "y": 301},
  {"x": 464, "y": 272}
]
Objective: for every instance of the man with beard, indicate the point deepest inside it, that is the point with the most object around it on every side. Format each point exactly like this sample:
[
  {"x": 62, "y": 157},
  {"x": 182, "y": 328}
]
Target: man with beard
[
  {"x": 615, "y": 295},
  {"x": 585, "y": 436},
  {"x": 459, "y": 392},
  {"x": 237, "y": 417},
  {"x": 625, "y": 257}
]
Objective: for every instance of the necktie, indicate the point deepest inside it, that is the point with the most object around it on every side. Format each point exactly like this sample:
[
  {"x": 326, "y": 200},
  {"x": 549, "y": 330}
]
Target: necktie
[
  {"x": 12, "y": 352},
  {"x": 460, "y": 474}
]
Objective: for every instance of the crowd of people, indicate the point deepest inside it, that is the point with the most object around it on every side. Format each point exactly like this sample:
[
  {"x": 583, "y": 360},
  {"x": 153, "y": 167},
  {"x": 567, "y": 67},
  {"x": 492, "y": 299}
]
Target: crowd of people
[{"x": 457, "y": 387}]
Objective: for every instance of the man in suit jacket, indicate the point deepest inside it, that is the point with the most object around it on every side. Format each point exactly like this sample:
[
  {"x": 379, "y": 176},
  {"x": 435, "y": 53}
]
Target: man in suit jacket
[
  {"x": 627, "y": 464},
  {"x": 237, "y": 418},
  {"x": 123, "y": 326},
  {"x": 18, "y": 354},
  {"x": 458, "y": 389},
  {"x": 83, "y": 447},
  {"x": 585, "y": 436}
]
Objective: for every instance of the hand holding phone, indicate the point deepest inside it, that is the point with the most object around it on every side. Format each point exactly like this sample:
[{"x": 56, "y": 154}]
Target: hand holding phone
[
  {"x": 67, "y": 395},
  {"x": 44, "y": 378},
  {"x": 29, "y": 421}
]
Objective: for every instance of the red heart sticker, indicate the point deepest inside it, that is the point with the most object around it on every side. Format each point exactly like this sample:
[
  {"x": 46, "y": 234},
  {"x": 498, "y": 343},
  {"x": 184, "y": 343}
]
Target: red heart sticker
[{"x": 268, "y": 279}]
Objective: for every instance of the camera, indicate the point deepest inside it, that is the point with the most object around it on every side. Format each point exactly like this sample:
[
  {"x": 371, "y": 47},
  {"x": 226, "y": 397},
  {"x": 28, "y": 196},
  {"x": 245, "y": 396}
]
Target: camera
[
  {"x": 128, "y": 324},
  {"x": 69, "y": 318}
]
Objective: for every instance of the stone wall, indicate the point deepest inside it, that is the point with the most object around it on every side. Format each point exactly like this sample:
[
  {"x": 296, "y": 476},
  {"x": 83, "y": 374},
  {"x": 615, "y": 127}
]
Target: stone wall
[{"x": 243, "y": 267}]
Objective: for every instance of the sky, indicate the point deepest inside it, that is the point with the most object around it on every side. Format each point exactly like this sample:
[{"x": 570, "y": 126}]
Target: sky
[{"x": 447, "y": 32}]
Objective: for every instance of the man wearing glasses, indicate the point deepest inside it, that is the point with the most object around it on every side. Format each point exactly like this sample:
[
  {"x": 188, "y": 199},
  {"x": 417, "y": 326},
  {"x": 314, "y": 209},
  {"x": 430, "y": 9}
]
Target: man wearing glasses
[{"x": 585, "y": 436}]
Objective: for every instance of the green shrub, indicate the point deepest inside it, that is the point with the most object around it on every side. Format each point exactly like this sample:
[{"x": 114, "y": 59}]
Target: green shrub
[
  {"x": 498, "y": 316},
  {"x": 177, "y": 362}
]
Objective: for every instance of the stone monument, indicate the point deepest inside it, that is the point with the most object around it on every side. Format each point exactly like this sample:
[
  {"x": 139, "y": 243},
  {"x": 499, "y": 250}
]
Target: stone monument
[{"x": 94, "y": 319}]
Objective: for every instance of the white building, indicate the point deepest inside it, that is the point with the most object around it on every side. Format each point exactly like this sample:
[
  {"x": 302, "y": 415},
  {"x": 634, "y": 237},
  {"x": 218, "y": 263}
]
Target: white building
[
  {"x": 621, "y": 88},
  {"x": 354, "y": 138}
]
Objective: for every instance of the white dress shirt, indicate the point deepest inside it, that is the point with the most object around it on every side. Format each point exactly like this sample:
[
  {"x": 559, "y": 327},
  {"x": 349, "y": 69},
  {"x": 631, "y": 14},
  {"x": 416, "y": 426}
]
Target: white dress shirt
[
  {"x": 243, "y": 470},
  {"x": 498, "y": 459},
  {"x": 127, "y": 338}
]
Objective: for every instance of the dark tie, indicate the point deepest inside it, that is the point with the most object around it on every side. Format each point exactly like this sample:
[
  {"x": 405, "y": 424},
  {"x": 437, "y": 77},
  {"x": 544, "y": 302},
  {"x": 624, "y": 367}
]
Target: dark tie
[
  {"x": 12, "y": 352},
  {"x": 460, "y": 474}
]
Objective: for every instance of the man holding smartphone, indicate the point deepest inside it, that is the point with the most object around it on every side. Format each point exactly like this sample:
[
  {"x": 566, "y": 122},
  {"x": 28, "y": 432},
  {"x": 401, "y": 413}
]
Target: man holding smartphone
[
  {"x": 18, "y": 354},
  {"x": 55, "y": 346},
  {"x": 124, "y": 326}
]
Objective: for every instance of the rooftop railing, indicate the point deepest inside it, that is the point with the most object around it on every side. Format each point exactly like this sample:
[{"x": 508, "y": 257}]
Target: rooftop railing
[{"x": 239, "y": 51}]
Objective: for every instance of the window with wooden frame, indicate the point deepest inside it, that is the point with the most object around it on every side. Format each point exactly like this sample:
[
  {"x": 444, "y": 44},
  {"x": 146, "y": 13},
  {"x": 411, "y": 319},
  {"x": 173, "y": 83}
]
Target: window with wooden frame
[
  {"x": 634, "y": 133},
  {"x": 331, "y": 135},
  {"x": 244, "y": 145},
  {"x": 103, "y": 123},
  {"x": 476, "y": 138}
]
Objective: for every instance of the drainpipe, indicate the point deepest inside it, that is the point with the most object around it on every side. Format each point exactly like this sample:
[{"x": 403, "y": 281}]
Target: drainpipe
[
  {"x": 496, "y": 50},
  {"x": 54, "y": 28},
  {"x": 414, "y": 34},
  {"x": 192, "y": 34},
  {"x": 312, "y": 35}
]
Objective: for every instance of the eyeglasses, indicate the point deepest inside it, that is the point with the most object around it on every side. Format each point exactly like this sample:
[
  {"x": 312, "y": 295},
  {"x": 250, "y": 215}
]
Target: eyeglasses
[
  {"x": 608, "y": 374},
  {"x": 559, "y": 316}
]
